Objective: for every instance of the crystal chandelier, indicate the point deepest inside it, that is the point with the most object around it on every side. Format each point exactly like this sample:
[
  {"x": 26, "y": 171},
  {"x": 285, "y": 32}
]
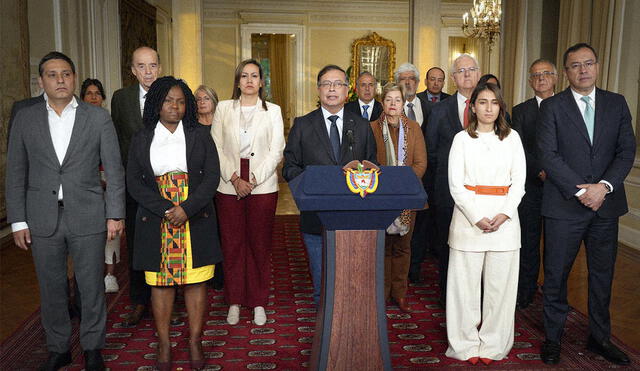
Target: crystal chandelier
[{"x": 483, "y": 21}]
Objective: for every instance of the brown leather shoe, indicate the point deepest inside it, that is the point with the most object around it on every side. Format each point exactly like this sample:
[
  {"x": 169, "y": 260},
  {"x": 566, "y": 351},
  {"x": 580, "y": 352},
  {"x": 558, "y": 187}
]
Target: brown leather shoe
[
  {"x": 403, "y": 304},
  {"x": 134, "y": 317}
]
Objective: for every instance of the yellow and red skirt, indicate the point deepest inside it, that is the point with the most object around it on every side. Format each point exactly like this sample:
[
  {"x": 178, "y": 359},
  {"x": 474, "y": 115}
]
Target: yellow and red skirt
[{"x": 176, "y": 264}]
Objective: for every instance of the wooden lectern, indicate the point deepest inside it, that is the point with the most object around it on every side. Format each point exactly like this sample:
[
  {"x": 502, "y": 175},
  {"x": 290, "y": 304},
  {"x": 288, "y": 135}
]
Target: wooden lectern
[{"x": 351, "y": 326}]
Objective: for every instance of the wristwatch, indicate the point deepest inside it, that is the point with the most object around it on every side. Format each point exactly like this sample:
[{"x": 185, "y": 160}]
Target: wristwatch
[{"x": 608, "y": 187}]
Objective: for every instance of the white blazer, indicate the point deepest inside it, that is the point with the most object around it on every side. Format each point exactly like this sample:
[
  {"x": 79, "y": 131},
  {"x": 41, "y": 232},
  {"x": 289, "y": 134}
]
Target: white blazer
[
  {"x": 488, "y": 161},
  {"x": 266, "y": 147}
]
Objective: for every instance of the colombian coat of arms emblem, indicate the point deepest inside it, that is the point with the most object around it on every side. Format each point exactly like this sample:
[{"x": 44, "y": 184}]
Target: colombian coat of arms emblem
[{"x": 362, "y": 181}]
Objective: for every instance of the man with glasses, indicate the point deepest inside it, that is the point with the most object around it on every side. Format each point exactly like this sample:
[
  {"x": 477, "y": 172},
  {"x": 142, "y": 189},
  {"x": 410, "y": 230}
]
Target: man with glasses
[
  {"x": 587, "y": 148},
  {"x": 366, "y": 105},
  {"x": 434, "y": 82},
  {"x": 446, "y": 120},
  {"x": 329, "y": 135},
  {"x": 542, "y": 79}
]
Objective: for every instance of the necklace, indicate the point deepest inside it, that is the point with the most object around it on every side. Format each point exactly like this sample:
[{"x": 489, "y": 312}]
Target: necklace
[{"x": 246, "y": 119}]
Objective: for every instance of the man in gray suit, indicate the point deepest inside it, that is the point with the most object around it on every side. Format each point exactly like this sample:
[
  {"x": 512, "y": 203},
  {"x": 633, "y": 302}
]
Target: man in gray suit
[
  {"x": 56, "y": 205},
  {"x": 127, "y": 106}
]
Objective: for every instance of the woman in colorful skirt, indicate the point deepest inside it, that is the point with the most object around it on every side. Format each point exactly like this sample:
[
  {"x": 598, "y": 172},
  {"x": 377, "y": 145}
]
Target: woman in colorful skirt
[
  {"x": 173, "y": 172},
  {"x": 249, "y": 134}
]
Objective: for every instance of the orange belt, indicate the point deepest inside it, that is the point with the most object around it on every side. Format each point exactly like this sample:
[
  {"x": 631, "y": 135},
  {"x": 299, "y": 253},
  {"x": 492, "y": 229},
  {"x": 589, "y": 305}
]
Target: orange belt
[{"x": 489, "y": 190}]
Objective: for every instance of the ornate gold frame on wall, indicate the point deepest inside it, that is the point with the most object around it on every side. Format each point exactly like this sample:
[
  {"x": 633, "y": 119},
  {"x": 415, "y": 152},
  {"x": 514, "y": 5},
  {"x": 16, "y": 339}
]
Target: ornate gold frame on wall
[{"x": 373, "y": 40}]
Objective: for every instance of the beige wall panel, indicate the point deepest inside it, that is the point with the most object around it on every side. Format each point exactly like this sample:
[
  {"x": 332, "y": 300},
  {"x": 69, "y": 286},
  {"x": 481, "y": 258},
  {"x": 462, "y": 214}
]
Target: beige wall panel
[{"x": 220, "y": 58}]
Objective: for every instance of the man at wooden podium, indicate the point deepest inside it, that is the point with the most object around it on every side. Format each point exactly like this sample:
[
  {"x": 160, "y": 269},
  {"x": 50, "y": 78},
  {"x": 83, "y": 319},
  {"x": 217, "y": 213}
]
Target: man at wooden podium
[{"x": 329, "y": 135}]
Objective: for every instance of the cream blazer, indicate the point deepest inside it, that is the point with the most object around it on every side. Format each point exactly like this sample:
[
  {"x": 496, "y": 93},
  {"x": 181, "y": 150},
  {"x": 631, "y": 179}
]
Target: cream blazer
[
  {"x": 266, "y": 146},
  {"x": 488, "y": 161}
]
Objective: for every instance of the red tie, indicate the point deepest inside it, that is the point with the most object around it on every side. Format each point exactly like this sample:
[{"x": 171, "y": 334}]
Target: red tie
[
  {"x": 466, "y": 114},
  {"x": 434, "y": 99}
]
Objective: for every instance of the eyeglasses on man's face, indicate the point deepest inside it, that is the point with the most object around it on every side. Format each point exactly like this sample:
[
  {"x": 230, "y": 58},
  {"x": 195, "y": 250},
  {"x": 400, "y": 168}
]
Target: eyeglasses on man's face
[
  {"x": 332, "y": 84},
  {"x": 544, "y": 74},
  {"x": 468, "y": 69},
  {"x": 577, "y": 66}
]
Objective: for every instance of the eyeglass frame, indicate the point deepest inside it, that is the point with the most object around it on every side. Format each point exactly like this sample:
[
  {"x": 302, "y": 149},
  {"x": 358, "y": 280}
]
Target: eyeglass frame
[
  {"x": 577, "y": 66},
  {"x": 332, "y": 84},
  {"x": 545, "y": 74},
  {"x": 470, "y": 69}
]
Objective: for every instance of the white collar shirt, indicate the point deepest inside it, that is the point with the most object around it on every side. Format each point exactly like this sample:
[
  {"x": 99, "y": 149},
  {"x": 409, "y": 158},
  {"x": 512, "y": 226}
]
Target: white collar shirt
[
  {"x": 369, "y": 109},
  {"x": 168, "y": 150},
  {"x": 142, "y": 96},
  {"x": 60, "y": 128},
  {"x": 417, "y": 108},
  {"x": 339, "y": 121},
  {"x": 462, "y": 103},
  {"x": 581, "y": 104}
]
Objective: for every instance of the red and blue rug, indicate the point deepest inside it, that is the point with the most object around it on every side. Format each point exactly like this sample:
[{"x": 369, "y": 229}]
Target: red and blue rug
[{"x": 417, "y": 340}]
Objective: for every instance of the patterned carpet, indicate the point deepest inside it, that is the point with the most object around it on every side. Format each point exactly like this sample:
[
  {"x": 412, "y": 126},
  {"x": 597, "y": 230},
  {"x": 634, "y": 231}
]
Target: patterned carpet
[{"x": 417, "y": 340}]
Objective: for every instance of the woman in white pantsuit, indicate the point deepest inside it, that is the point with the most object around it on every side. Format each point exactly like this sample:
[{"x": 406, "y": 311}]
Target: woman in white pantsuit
[{"x": 487, "y": 172}]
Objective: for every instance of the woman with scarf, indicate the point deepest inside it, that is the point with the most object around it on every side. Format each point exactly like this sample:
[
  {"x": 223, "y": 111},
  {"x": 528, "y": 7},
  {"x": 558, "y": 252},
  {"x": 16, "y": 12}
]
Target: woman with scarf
[{"x": 399, "y": 142}]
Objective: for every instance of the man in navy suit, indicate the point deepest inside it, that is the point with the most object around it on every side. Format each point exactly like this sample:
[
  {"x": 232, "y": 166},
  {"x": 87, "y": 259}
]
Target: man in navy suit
[
  {"x": 434, "y": 82},
  {"x": 586, "y": 147},
  {"x": 366, "y": 105},
  {"x": 542, "y": 79},
  {"x": 329, "y": 135},
  {"x": 446, "y": 120}
]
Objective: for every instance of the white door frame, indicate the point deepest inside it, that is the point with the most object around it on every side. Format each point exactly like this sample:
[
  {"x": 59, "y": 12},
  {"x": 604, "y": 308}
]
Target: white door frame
[{"x": 299, "y": 31}]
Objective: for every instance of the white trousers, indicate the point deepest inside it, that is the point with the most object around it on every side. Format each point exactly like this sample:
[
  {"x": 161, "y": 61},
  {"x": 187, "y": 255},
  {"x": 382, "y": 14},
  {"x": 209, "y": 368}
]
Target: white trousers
[{"x": 497, "y": 271}]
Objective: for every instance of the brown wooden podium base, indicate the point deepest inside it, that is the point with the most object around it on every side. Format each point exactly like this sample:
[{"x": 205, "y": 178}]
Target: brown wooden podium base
[{"x": 351, "y": 326}]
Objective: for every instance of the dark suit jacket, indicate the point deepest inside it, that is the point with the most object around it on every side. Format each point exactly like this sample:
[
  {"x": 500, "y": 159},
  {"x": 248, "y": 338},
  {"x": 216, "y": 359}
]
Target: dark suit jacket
[
  {"x": 423, "y": 96},
  {"x": 568, "y": 158},
  {"x": 354, "y": 107},
  {"x": 125, "y": 111},
  {"x": 308, "y": 144},
  {"x": 443, "y": 125},
  {"x": 17, "y": 106},
  {"x": 525, "y": 119},
  {"x": 34, "y": 173},
  {"x": 204, "y": 176}
]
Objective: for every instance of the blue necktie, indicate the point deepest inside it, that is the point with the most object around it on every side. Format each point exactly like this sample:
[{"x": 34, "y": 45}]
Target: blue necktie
[
  {"x": 334, "y": 137},
  {"x": 588, "y": 116},
  {"x": 410, "y": 112},
  {"x": 365, "y": 114}
]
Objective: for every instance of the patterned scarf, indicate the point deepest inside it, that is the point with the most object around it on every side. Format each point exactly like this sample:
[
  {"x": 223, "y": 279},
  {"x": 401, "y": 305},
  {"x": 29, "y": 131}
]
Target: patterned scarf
[{"x": 402, "y": 223}]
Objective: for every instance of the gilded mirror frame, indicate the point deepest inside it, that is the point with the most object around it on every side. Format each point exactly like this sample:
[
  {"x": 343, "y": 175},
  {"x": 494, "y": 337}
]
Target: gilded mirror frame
[{"x": 372, "y": 39}]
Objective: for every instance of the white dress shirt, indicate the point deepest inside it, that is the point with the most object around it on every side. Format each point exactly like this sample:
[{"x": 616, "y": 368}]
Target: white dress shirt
[
  {"x": 339, "y": 121},
  {"x": 582, "y": 106},
  {"x": 60, "y": 129},
  {"x": 369, "y": 109},
  {"x": 417, "y": 108},
  {"x": 246, "y": 132},
  {"x": 142, "y": 95},
  {"x": 168, "y": 150},
  {"x": 461, "y": 105}
]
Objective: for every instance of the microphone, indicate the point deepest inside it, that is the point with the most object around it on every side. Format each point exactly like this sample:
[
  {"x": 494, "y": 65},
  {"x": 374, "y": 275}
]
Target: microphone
[{"x": 351, "y": 142}]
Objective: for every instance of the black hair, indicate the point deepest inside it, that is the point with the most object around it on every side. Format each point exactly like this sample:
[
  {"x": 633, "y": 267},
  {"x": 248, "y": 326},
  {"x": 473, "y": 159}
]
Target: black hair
[
  {"x": 485, "y": 78},
  {"x": 575, "y": 48},
  {"x": 236, "y": 81},
  {"x": 55, "y": 55},
  {"x": 331, "y": 67},
  {"x": 88, "y": 82},
  {"x": 434, "y": 68},
  {"x": 156, "y": 96}
]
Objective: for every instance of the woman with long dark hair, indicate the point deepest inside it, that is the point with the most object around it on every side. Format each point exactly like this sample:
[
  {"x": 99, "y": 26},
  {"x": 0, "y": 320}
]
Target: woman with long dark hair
[
  {"x": 249, "y": 134},
  {"x": 487, "y": 172},
  {"x": 172, "y": 173}
]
